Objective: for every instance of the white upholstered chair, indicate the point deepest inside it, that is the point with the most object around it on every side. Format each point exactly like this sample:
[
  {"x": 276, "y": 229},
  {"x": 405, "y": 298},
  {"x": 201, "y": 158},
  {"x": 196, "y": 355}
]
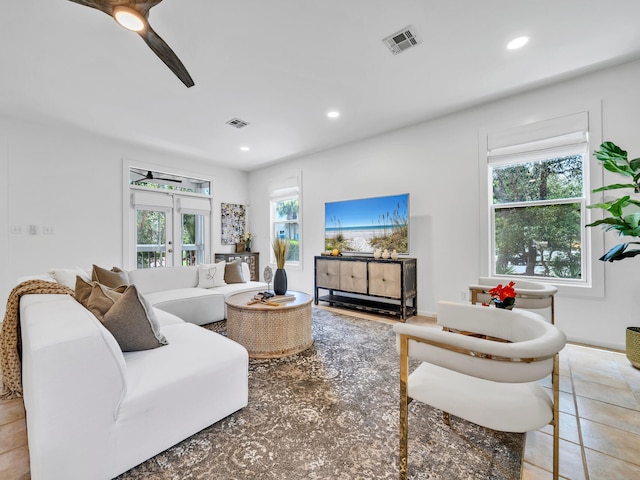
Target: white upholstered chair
[
  {"x": 529, "y": 295},
  {"x": 491, "y": 383}
]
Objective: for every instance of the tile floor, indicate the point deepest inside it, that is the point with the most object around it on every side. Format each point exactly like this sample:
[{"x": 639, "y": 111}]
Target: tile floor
[{"x": 599, "y": 421}]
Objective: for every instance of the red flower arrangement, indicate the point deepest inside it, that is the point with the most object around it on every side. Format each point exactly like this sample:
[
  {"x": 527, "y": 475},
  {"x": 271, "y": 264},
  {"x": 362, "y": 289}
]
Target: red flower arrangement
[{"x": 503, "y": 297}]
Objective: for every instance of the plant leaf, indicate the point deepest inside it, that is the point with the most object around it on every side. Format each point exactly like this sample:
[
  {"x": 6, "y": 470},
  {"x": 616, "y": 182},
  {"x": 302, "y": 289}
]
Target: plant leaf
[{"x": 615, "y": 186}]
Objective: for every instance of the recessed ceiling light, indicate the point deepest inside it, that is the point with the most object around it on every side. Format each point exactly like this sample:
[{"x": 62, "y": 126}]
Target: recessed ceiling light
[
  {"x": 517, "y": 43},
  {"x": 333, "y": 114},
  {"x": 245, "y": 149}
]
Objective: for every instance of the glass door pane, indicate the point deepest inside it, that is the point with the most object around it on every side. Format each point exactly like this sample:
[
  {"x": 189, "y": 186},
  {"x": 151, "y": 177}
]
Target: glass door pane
[
  {"x": 151, "y": 239},
  {"x": 193, "y": 239}
]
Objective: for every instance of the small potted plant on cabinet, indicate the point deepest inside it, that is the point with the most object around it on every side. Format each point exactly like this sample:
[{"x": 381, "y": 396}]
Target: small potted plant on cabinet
[{"x": 624, "y": 218}]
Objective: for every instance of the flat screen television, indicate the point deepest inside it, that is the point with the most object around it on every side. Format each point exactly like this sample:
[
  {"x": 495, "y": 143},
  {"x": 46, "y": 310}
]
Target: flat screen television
[{"x": 360, "y": 226}]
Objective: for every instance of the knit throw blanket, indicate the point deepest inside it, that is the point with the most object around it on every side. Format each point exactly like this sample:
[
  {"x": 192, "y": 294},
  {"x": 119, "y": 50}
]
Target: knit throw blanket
[{"x": 10, "y": 341}]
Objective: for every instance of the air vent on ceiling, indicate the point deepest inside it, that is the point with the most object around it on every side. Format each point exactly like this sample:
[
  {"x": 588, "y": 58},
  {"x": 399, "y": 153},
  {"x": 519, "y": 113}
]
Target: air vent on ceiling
[
  {"x": 402, "y": 40},
  {"x": 236, "y": 122}
]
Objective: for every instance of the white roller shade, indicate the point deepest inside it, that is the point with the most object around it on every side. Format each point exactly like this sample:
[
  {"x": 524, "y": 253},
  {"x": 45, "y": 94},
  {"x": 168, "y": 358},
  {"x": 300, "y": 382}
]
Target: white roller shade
[
  {"x": 151, "y": 201},
  {"x": 531, "y": 142},
  {"x": 194, "y": 205}
]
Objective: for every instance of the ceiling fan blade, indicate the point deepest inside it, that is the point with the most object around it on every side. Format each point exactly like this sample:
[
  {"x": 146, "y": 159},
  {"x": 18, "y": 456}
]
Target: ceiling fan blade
[
  {"x": 167, "y": 180},
  {"x": 104, "y": 6},
  {"x": 162, "y": 50}
]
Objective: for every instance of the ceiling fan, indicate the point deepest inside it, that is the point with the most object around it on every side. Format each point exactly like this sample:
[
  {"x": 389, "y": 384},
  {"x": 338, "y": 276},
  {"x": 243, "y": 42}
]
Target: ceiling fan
[
  {"x": 149, "y": 176},
  {"x": 133, "y": 15}
]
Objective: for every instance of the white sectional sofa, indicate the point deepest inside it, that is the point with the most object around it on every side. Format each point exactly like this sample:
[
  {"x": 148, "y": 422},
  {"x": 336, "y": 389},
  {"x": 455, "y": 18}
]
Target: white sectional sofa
[
  {"x": 175, "y": 290},
  {"x": 94, "y": 412}
]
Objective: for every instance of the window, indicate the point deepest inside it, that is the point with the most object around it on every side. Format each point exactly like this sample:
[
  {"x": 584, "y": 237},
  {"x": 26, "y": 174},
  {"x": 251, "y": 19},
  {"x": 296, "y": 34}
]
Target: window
[
  {"x": 285, "y": 218},
  {"x": 537, "y": 196},
  {"x": 537, "y": 216}
]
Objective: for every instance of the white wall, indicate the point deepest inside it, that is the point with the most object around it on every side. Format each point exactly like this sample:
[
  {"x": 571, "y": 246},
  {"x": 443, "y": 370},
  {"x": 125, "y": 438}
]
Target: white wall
[
  {"x": 72, "y": 181},
  {"x": 4, "y": 225},
  {"x": 437, "y": 163}
]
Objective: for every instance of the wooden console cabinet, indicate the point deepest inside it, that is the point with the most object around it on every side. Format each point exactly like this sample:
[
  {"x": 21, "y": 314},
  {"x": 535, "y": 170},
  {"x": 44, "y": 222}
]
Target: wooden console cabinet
[
  {"x": 390, "y": 286},
  {"x": 251, "y": 258}
]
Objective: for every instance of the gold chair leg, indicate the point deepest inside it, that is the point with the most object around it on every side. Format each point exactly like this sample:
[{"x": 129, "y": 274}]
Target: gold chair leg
[
  {"x": 404, "y": 407},
  {"x": 555, "y": 382}
]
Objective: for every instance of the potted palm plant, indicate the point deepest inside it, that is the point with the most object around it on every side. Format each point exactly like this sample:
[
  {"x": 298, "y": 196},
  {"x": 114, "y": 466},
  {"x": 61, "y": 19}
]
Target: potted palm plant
[
  {"x": 623, "y": 218},
  {"x": 280, "y": 249}
]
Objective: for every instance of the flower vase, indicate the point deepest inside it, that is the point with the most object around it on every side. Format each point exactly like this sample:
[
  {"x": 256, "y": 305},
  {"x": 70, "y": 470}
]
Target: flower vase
[
  {"x": 280, "y": 282},
  {"x": 247, "y": 246},
  {"x": 503, "y": 305}
]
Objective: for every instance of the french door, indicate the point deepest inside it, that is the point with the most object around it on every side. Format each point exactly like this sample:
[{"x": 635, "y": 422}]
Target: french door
[{"x": 169, "y": 229}]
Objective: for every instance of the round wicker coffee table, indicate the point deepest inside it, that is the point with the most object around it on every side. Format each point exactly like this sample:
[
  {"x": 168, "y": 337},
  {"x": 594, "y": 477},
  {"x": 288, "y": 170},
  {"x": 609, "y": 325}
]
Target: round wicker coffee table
[{"x": 267, "y": 331}]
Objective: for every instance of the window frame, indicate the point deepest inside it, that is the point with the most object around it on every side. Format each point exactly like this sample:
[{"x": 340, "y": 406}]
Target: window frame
[
  {"x": 594, "y": 286},
  {"x": 278, "y": 194},
  {"x": 550, "y": 154}
]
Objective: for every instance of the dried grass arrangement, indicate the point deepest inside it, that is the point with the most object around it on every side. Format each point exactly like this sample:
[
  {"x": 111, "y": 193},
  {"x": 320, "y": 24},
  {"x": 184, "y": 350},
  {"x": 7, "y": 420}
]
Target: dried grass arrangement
[{"x": 280, "y": 249}]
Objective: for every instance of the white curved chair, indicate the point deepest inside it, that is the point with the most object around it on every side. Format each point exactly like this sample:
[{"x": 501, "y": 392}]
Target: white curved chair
[
  {"x": 529, "y": 295},
  {"x": 491, "y": 383}
]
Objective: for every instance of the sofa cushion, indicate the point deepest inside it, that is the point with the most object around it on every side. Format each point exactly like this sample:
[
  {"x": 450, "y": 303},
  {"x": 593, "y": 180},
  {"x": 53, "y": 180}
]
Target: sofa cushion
[
  {"x": 195, "y": 305},
  {"x": 233, "y": 272},
  {"x": 132, "y": 321},
  {"x": 111, "y": 278},
  {"x": 211, "y": 275}
]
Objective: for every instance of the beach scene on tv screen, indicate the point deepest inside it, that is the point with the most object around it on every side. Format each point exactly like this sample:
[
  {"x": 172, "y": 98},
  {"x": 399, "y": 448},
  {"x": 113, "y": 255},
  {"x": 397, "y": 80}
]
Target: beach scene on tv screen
[{"x": 363, "y": 225}]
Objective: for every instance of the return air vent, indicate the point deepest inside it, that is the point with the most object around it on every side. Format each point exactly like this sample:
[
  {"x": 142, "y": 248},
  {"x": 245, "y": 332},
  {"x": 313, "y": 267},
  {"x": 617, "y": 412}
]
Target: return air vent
[
  {"x": 236, "y": 122},
  {"x": 402, "y": 40}
]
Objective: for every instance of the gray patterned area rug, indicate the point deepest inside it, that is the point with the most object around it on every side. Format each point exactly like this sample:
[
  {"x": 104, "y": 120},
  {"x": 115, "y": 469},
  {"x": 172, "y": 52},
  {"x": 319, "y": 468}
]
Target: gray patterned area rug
[{"x": 331, "y": 412}]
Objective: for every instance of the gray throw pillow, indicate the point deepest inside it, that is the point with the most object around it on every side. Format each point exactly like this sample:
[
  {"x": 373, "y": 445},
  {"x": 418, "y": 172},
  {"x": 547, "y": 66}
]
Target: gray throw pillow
[
  {"x": 133, "y": 323},
  {"x": 233, "y": 272}
]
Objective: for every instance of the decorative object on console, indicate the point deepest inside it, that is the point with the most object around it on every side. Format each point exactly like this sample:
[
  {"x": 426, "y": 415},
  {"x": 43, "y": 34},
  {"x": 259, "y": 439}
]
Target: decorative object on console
[
  {"x": 377, "y": 253},
  {"x": 280, "y": 250},
  {"x": 503, "y": 297},
  {"x": 394, "y": 254},
  {"x": 385, "y": 254},
  {"x": 247, "y": 241}
]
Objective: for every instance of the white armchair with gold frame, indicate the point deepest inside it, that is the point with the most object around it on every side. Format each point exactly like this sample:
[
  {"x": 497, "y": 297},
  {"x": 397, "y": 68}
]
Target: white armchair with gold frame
[
  {"x": 494, "y": 384},
  {"x": 529, "y": 295}
]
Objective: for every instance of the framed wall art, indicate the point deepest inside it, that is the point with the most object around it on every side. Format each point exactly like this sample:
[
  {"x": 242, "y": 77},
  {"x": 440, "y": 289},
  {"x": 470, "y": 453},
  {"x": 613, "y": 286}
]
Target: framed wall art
[{"x": 233, "y": 218}]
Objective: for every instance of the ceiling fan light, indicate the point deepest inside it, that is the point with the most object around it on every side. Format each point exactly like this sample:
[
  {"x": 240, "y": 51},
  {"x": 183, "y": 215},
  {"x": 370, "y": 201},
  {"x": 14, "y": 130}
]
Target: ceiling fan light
[{"x": 129, "y": 18}]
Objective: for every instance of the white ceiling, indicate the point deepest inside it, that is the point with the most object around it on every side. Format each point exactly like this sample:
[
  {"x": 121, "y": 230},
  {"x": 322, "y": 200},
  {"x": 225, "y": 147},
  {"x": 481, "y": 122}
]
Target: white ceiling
[{"x": 282, "y": 64}]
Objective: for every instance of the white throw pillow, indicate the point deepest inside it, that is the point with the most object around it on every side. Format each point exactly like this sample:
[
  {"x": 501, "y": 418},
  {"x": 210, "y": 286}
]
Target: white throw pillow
[
  {"x": 211, "y": 275},
  {"x": 67, "y": 276}
]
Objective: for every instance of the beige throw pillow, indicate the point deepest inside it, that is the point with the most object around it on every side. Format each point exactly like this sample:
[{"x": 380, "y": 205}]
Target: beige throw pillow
[
  {"x": 111, "y": 278},
  {"x": 211, "y": 275},
  {"x": 133, "y": 323},
  {"x": 101, "y": 299},
  {"x": 233, "y": 272}
]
